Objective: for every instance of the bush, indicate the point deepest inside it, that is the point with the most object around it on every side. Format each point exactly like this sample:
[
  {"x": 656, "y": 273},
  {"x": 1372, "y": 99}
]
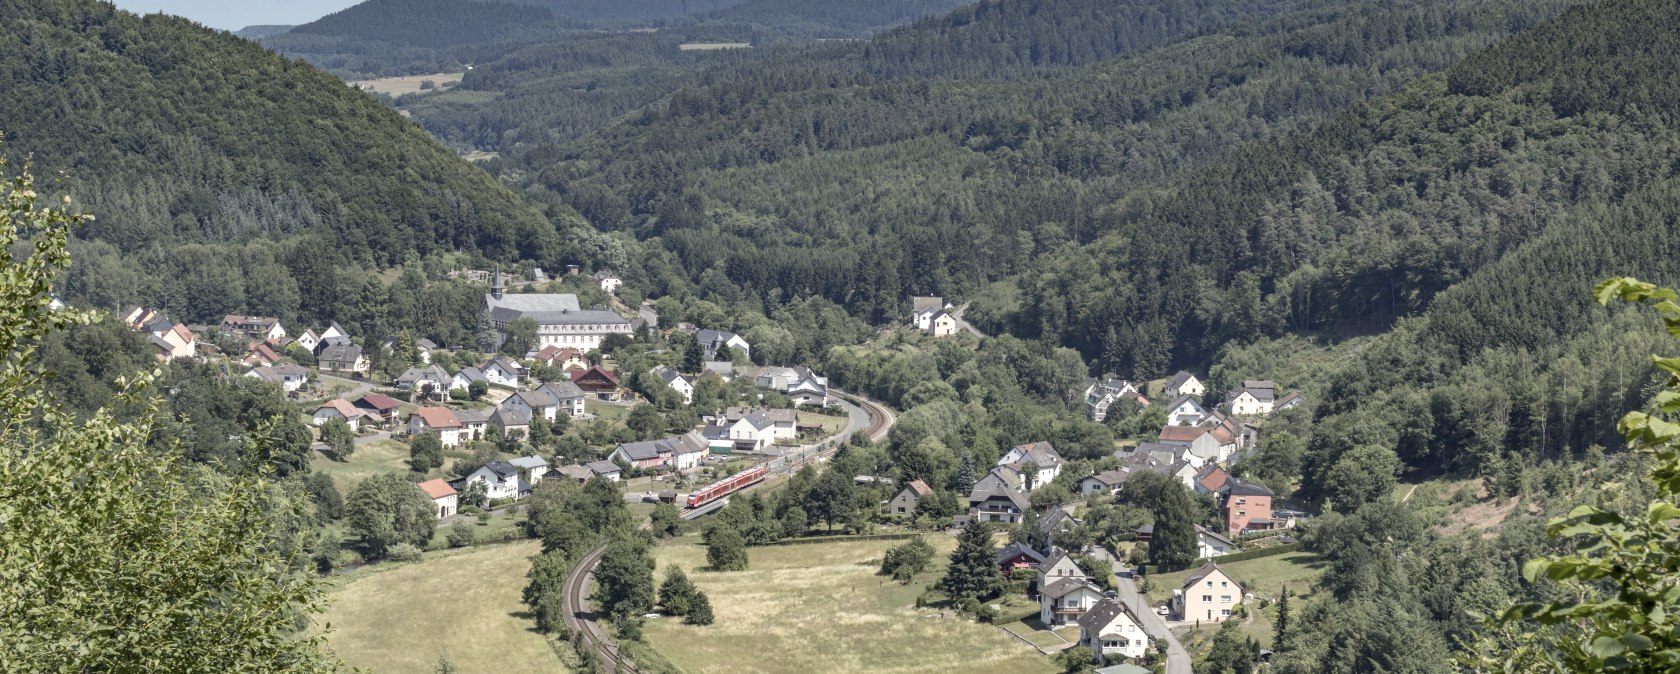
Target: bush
[
  {"x": 461, "y": 536},
  {"x": 986, "y": 614},
  {"x": 404, "y": 552}
]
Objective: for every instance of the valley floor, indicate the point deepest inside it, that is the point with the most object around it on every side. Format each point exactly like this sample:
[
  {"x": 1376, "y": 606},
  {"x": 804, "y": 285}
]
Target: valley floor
[
  {"x": 462, "y": 604},
  {"x": 822, "y": 608}
]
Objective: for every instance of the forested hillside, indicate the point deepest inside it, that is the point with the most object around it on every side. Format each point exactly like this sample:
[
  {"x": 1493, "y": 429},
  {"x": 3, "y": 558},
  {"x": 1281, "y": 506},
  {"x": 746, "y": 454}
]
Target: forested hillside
[
  {"x": 425, "y": 23},
  {"x": 916, "y": 186},
  {"x": 207, "y": 138}
]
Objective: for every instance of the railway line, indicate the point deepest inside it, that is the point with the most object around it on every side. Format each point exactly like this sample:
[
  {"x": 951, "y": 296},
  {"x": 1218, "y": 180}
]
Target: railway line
[{"x": 580, "y": 620}]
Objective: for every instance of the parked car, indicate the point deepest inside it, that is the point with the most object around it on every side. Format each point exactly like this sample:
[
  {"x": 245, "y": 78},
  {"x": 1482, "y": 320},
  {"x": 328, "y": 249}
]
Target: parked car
[{"x": 1163, "y": 610}]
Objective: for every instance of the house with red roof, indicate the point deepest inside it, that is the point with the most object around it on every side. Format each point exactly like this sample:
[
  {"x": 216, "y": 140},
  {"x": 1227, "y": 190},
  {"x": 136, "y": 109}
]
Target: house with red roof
[
  {"x": 442, "y": 495},
  {"x": 439, "y": 420}
]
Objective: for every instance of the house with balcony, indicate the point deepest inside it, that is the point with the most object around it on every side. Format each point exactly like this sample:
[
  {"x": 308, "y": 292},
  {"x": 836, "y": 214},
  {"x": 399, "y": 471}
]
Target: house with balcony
[
  {"x": 1065, "y": 600},
  {"x": 1109, "y": 629}
]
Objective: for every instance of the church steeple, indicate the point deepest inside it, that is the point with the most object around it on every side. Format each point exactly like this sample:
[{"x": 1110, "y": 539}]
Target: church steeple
[{"x": 496, "y": 283}]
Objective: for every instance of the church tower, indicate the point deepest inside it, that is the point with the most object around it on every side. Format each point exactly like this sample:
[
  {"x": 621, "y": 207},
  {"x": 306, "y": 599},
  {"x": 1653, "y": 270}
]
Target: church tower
[{"x": 497, "y": 285}]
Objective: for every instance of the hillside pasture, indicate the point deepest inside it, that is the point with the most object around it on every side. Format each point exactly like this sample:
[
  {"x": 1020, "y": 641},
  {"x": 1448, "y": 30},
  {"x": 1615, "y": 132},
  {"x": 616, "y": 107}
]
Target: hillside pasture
[
  {"x": 822, "y": 608},
  {"x": 462, "y": 604}
]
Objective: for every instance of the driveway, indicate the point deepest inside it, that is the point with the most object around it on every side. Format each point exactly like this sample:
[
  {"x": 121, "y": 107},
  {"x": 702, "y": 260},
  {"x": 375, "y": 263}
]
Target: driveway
[
  {"x": 357, "y": 390},
  {"x": 1178, "y": 659},
  {"x": 957, "y": 313}
]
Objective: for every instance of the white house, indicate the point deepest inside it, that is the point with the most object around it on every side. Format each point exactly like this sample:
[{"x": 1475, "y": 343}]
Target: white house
[
  {"x": 1058, "y": 566},
  {"x": 1208, "y": 595},
  {"x": 713, "y": 341},
  {"x": 538, "y": 403},
  {"x": 682, "y": 384},
  {"x": 439, "y": 420},
  {"x": 464, "y": 379},
  {"x": 1039, "y": 454},
  {"x": 309, "y": 340},
  {"x": 1106, "y": 482},
  {"x": 1185, "y": 411},
  {"x": 1110, "y": 629},
  {"x": 502, "y": 480},
  {"x": 290, "y": 377},
  {"x": 1064, "y": 600},
  {"x": 1185, "y": 384},
  {"x": 943, "y": 324},
  {"x": 333, "y": 333},
  {"x": 608, "y": 280},
  {"x": 502, "y": 370},
  {"x": 442, "y": 495},
  {"x": 532, "y": 466},
  {"x": 923, "y": 309},
  {"x": 474, "y": 424},
  {"x": 342, "y": 409},
  {"x": 754, "y": 432},
  {"x": 1210, "y": 544},
  {"x": 568, "y": 395},
  {"x": 1253, "y": 397},
  {"x": 1101, "y": 394},
  {"x": 342, "y": 357},
  {"x": 260, "y": 328}
]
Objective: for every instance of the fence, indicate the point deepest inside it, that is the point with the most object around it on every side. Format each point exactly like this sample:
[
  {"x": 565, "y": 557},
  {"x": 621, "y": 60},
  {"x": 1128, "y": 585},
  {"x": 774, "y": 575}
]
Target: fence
[{"x": 869, "y": 537}]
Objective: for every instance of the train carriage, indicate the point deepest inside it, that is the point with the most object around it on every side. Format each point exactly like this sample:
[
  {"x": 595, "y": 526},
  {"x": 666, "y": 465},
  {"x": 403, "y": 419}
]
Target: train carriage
[{"x": 727, "y": 486}]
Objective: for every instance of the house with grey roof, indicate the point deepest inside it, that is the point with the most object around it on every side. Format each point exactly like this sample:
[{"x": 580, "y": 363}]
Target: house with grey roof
[
  {"x": 536, "y": 403},
  {"x": 713, "y": 341},
  {"x": 923, "y": 309},
  {"x": 502, "y": 480},
  {"x": 504, "y": 371},
  {"x": 290, "y": 377},
  {"x": 1254, "y": 396},
  {"x": 1101, "y": 394},
  {"x": 1064, "y": 600},
  {"x": 1047, "y": 463},
  {"x": 1185, "y": 384},
  {"x": 676, "y": 381},
  {"x": 533, "y": 467},
  {"x": 1109, "y": 629},
  {"x": 570, "y": 397},
  {"x": 342, "y": 357}
]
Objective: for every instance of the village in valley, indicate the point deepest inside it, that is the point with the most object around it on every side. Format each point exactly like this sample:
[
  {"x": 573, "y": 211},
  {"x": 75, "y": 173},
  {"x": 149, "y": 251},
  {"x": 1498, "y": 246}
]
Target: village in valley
[{"x": 479, "y": 432}]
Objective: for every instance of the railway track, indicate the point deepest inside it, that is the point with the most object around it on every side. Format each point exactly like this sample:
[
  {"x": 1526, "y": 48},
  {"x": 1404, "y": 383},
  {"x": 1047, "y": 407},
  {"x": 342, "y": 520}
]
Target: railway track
[{"x": 579, "y": 619}]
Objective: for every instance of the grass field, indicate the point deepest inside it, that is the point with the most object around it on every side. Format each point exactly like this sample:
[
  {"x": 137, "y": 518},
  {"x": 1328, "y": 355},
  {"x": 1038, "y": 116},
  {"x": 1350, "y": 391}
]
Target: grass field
[
  {"x": 709, "y": 46},
  {"x": 397, "y": 86},
  {"x": 830, "y": 425},
  {"x": 399, "y": 618},
  {"x": 1263, "y": 576},
  {"x": 821, "y": 608},
  {"x": 379, "y": 456}
]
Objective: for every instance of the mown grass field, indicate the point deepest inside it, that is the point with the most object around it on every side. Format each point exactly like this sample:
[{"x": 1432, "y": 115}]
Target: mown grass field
[
  {"x": 821, "y": 608},
  {"x": 397, "y": 86},
  {"x": 399, "y": 618},
  {"x": 1263, "y": 576},
  {"x": 379, "y": 456}
]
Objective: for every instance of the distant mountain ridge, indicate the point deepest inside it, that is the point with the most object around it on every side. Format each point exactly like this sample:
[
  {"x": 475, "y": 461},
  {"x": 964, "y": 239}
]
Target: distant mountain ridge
[{"x": 258, "y": 32}]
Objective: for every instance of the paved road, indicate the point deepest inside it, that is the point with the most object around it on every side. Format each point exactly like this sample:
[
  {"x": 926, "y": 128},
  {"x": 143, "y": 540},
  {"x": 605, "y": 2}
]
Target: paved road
[
  {"x": 357, "y": 390},
  {"x": 957, "y": 313},
  {"x": 1178, "y": 659}
]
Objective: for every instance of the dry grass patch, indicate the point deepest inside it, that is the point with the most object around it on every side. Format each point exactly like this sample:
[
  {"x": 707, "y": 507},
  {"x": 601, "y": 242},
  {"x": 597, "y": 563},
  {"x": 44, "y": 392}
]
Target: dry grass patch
[
  {"x": 397, "y": 86},
  {"x": 397, "y": 619},
  {"x": 821, "y": 608},
  {"x": 379, "y": 456}
]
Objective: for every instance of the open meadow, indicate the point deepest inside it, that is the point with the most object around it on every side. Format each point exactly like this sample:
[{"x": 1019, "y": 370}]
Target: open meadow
[
  {"x": 463, "y": 604},
  {"x": 821, "y": 608},
  {"x": 397, "y": 86},
  {"x": 380, "y": 456}
]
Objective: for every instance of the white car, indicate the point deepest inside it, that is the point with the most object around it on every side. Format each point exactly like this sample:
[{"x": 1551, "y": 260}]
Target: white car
[{"x": 1163, "y": 610}]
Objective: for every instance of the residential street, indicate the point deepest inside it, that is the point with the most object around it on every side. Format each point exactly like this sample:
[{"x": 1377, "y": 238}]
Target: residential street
[{"x": 1178, "y": 659}]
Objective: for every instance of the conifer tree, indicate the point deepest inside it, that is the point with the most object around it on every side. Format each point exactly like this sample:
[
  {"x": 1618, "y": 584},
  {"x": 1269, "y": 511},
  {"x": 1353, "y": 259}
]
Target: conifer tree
[
  {"x": 973, "y": 573},
  {"x": 701, "y": 612},
  {"x": 964, "y": 481},
  {"x": 676, "y": 594}
]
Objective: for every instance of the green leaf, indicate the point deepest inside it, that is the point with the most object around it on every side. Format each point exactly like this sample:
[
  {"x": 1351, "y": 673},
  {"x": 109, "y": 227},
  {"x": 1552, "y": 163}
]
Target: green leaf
[
  {"x": 1636, "y": 642},
  {"x": 1606, "y": 647}
]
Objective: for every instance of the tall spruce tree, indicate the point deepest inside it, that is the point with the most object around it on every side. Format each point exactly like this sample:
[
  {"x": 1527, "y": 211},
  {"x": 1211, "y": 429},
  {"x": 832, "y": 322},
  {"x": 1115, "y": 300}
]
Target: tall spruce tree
[
  {"x": 964, "y": 480},
  {"x": 973, "y": 573},
  {"x": 1173, "y": 543}
]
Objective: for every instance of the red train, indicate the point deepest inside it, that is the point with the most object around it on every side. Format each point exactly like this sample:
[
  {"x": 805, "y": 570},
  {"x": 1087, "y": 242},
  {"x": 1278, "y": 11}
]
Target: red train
[{"x": 727, "y": 486}]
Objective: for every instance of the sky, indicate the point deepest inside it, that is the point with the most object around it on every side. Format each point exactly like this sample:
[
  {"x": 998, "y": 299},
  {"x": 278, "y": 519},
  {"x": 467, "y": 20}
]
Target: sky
[{"x": 237, "y": 14}]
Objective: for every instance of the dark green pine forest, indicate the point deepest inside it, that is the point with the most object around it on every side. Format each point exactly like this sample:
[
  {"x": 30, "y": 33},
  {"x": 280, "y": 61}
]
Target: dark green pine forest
[{"x": 1397, "y": 207}]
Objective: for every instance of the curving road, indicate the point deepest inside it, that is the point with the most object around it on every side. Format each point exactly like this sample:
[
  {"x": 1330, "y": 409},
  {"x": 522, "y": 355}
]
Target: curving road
[{"x": 581, "y": 620}]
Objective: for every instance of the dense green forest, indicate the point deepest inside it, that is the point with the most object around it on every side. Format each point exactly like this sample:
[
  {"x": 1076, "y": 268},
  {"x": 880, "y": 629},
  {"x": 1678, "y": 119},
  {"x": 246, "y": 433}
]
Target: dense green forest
[{"x": 425, "y": 23}]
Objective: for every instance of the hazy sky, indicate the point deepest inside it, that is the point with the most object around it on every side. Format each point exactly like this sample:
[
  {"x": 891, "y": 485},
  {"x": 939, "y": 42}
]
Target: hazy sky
[{"x": 237, "y": 14}]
